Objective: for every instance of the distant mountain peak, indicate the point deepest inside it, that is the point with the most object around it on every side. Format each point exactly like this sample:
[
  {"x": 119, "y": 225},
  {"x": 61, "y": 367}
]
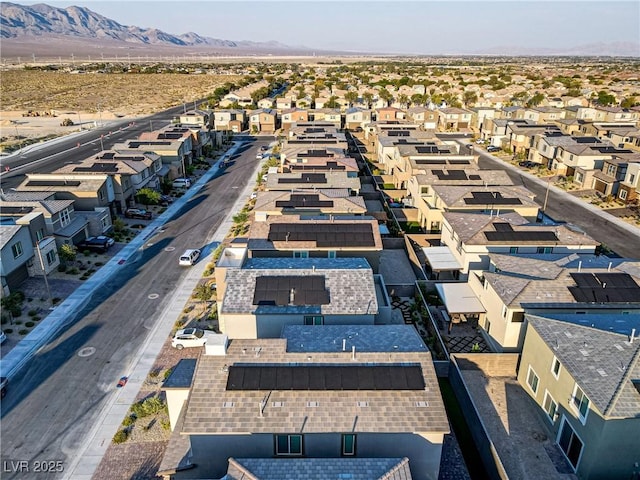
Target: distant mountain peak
[{"x": 43, "y": 20}]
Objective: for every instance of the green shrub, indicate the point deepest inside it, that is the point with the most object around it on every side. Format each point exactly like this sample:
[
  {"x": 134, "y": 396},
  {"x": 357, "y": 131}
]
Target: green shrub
[
  {"x": 62, "y": 268},
  {"x": 167, "y": 373},
  {"x": 29, "y": 324},
  {"x": 165, "y": 424},
  {"x": 129, "y": 420},
  {"x": 73, "y": 271},
  {"x": 154, "y": 373},
  {"x": 86, "y": 253},
  {"x": 23, "y": 331},
  {"x": 121, "y": 436},
  {"x": 147, "y": 407},
  {"x": 8, "y": 330},
  {"x": 36, "y": 318},
  {"x": 55, "y": 300},
  {"x": 33, "y": 313},
  {"x": 98, "y": 264}
]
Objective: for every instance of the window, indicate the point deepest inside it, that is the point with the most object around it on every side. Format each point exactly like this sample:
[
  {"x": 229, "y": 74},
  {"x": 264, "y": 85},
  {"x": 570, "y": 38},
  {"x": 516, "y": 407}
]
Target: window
[
  {"x": 545, "y": 249},
  {"x": 348, "y": 444},
  {"x": 532, "y": 380},
  {"x": 570, "y": 443},
  {"x": 288, "y": 444},
  {"x": 504, "y": 311},
  {"x": 581, "y": 403},
  {"x": 300, "y": 254},
  {"x": 51, "y": 257},
  {"x": 555, "y": 367},
  {"x": 314, "y": 320},
  {"x": 39, "y": 235},
  {"x": 331, "y": 254},
  {"x": 550, "y": 406},
  {"x": 16, "y": 248},
  {"x": 513, "y": 250},
  {"x": 487, "y": 325},
  {"x": 64, "y": 217},
  {"x": 623, "y": 195},
  {"x": 632, "y": 178}
]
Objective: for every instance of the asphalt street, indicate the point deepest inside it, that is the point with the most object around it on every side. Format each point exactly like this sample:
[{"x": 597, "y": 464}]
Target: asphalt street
[
  {"x": 54, "y": 401},
  {"x": 561, "y": 209}
]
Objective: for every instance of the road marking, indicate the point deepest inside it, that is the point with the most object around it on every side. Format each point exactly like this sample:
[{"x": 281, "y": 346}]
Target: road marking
[
  {"x": 153, "y": 296},
  {"x": 169, "y": 249},
  {"x": 87, "y": 352}
]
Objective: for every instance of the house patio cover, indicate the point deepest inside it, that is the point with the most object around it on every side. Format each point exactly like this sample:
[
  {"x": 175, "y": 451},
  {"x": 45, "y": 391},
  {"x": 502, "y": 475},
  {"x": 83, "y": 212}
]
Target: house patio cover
[
  {"x": 459, "y": 298},
  {"x": 441, "y": 258}
]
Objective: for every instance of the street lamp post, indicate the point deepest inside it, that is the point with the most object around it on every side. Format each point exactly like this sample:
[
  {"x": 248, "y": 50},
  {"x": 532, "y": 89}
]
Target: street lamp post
[{"x": 44, "y": 271}]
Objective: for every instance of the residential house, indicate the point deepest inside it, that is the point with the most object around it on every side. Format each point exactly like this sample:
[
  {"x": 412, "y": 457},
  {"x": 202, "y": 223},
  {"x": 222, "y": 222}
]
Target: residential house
[
  {"x": 264, "y": 294},
  {"x": 547, "y": 145},
  {"x": 609, "y": 167},
  {"x": 551, "y": 285},
  {"x": 479, "y": 115},
  {"x": 317, "y": 236},
  {"x": 333, "y": 202},
  {"x": 606, "y": 129},
  {"x": 242, "y": 98},
  {"x": 472, "y": 236},
  {"x": 199, "y": 118},
  {"x": 16, "y": 252},
  {"x": 356, "y": 117},
  {"x": 613, "y": 172},
  {"x": 586, "y": 383},
  {"x": 337, "y": 401},
  {"x": 129, "y": 171},
  {"x": 318, "y": 161},
  {"x": 88, "y": 191},
  {"x": 230, "y": 120},
  {"x": 284, "y": 103},
  {"x": 630, "y": 186},
  {"x": 388, "y": 139},
  {"x": 332, "y": 116},
  {"x": 267, "y": 103},
  {"x": 520, "y": 136},
  {"x": 426, "y": 117},
  {"x": 468, "y": 198},
  {"x": 292, "y": 116},
  {"x": 388, "y": 114},
  {"x": 263, "y": 121},
  {"x": 618, "y": 114},
  {"x": 544, "y": 114},
  {"x": 420, "y": 186},
  {"x": 454, "y": 119},
  {"x": 175, "y": 154},
  {"x": 570, "y": 126}
]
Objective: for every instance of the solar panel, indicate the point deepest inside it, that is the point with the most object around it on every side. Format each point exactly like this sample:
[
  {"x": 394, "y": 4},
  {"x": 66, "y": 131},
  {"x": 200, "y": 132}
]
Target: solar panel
[
  {"x": 474, "y": 177},
  {"x": 107, "y": 155},
  {"x": 326, "y": 166},
  {"x": 304, "y": 201},
  {"x": 450, "y": 175},
  {"x": 326, "y": 234},
  {"x": 15, "y": 210},
  {"x": 605, "y": 288},
  {"x": 98, "y": 167},
  {"x": 333, "y": 377},
  {"x": 502, "y": 227},
  {"x": 305, "y": 178},
  {"x": 519, "y": 236},
  {"x": 291, "y": 290},
  {"x": 429, "y": 161},
  {"x": 53, "y": 183},
  {"x": 491, "y": 198}
]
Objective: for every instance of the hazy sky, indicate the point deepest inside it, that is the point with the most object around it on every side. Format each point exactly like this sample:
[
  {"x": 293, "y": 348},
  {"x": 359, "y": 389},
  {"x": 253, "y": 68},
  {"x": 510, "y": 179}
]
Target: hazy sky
[{"x": 420, "y": 27}]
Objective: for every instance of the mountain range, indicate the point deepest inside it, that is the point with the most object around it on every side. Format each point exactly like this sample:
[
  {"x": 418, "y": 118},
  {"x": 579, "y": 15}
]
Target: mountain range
[
  {"x": 30, "y": 24},
  {"x": 80, "y": 31}
]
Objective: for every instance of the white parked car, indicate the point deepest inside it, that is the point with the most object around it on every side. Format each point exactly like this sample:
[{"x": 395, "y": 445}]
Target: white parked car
[
  {"x": 181, "y": 183},
  {"x": 254, "y": 195},
  {"x": 189, "y": 337},
  {"x": 189, "y": 257}
]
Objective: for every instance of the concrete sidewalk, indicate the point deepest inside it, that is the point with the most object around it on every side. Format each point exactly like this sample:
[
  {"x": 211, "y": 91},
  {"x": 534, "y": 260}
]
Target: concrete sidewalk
[{"x": 117, "y": 406}]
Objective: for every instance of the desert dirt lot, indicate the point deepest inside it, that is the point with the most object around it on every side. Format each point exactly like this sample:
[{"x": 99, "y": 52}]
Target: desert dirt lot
[{"x": 87, "y": 98}]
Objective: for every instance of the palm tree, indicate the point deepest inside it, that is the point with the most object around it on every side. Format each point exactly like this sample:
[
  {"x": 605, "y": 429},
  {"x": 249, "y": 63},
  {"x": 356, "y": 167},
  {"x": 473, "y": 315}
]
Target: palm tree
[
  {"x": 417, "y": 99},
  {"x": 469, "y": 97},
  {"x": 332, "y": 102},
  {"x": 386, "y": 96},
  {"x": 368, "y": 98},
  {"x": 403, "y": 100},
  {"x": 351, "y": 97}
]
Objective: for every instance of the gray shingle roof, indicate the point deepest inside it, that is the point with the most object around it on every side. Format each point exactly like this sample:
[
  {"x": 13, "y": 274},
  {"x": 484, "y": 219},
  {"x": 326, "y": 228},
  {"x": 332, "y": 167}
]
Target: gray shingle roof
[
  {"x": 348, "y": 280},
  {"x": 318, "y": 468},
  {"x": 366, "y": 338},
  {"x": 7, "y": 232},
  {"x": 212, "y": 409},
  {"x": 603, "y": 364}
]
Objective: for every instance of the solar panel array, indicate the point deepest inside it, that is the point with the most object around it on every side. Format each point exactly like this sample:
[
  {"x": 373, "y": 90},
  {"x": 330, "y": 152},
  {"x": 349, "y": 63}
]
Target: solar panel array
[
  {"x": 53, "y": 183},
  {"x": 430, "y": 161},
  {"x": 474, "y": 177},
  {"x": 333, "y": 377},
  {"x": 98, "y": 167},
  {"x": 520, "y": 236},
  {"x": 450, "y": 175},
  {"x": 305, "y": 178},
  {"x": 398, "y": 133},
  {"x": 310, "y": 200},
  {"x": 604, "y": 288},
  {"x": 291, "y": 290},
  {"x": 491, "y": 198},
  {"x": 326, "y": 166},
  {"x": 324, "y": 234},
  {"x": 169, "y": 136},
  {"x": 15, "y": 210},
  {"x": 316, "y": 153}
]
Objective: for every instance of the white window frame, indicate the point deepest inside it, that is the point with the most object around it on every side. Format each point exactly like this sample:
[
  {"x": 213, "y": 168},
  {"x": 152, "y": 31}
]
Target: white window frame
[
  {"x": 332, "y": 254},
  {"x": 65, "y": 217},
  {"x": 17, "y": 250},
  {"x": 352, "y": 453},
  {"x": 300, "y": 254},
  {"x": 576, "y": 408},
  {"x": 553, "y": 367},
  {"x": 537, "y": 380},
  {"x": 51, "y": 257},
  {"x": 551, "y": 417}
]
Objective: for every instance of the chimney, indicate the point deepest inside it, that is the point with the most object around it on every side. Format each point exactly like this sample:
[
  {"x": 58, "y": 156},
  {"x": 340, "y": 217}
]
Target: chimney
[{"x": 344, "y": 344}]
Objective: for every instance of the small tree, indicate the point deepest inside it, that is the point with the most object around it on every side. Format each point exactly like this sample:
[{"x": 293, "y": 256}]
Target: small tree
[
  {"x": 67, "y": 253},
  {"x": 148, "y": 196}
]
